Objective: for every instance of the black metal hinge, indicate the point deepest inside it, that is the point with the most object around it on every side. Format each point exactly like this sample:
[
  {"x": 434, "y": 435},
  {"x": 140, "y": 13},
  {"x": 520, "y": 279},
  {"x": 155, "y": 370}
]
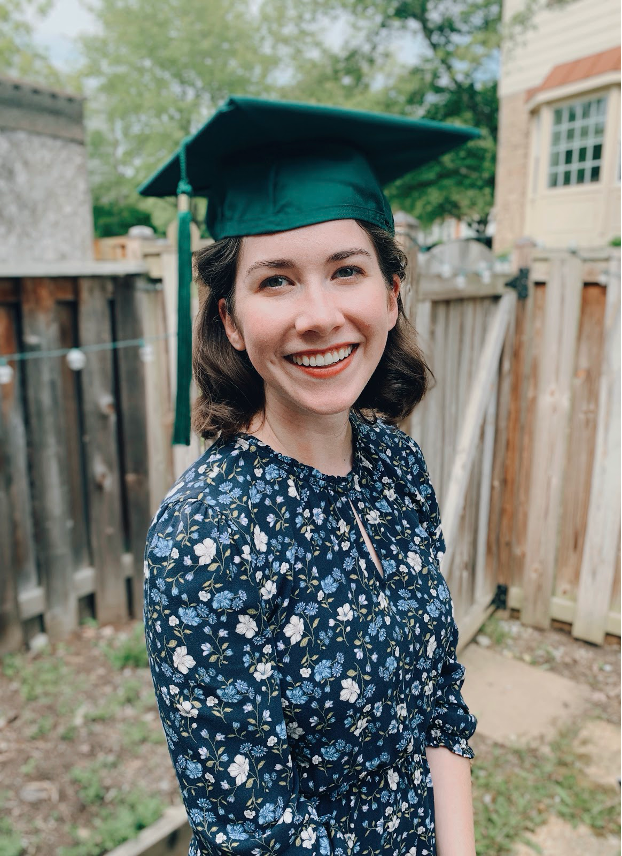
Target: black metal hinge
[
  {"x": 521, "y": 283},
  {"x": 500, "y": 600}
]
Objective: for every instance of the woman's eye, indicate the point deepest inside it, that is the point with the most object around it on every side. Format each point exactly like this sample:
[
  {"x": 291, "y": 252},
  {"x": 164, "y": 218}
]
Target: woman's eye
[
  {"x": 274, "y": 282},
  {"x": 347, "y": 272}
]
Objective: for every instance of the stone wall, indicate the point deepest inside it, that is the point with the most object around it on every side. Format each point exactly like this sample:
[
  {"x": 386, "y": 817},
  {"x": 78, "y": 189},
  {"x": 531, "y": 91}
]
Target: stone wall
[
  {"x": 511, "y": 172},
  {"x": 45, "y": 200}
]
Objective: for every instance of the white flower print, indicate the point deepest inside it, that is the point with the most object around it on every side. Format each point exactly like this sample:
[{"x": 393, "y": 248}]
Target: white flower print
[
  {"x": 308, "y": 837},
  {"x": 246, "y": 552},
  {"x": 350, "y": 691},
  {"x": 173, "y": 620},
  {"x": 294, "y": 629},
  {"x": 186, "y": 708},
  {"x": 239, "y": 769},
  {"x": 361, "y": 725},
  {"x": 268, "y": 590},
  {"x": 182, "y": 660},
  {"x": 286, "y": 817},
  {"x": 261, "y": 539},
  {"x": 263, "y": 671},
  {"x": 206, "y": 551},
  {"x": 431, "y": 646},
  {"x": 393, "y": 779},
  {"x": 291, "y": 489},
  {"x": 414, "y": 560},
  {"x": 146, "y": 570},
  {"x": 373, "y": 517},
  {"x": 344, "y": 613},
  {"x": 246, "y": 626}
]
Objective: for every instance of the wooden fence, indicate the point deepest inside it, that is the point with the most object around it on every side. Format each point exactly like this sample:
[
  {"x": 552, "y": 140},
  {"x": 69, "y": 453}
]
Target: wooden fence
[
  {"x": 555, "y": 533},
  {"x": 74, "y": 465},
  {"x": 520, "y": 434},
  {"x": 464, "y": 315}
]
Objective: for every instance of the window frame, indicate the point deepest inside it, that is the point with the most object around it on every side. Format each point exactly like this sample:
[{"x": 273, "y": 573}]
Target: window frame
[{"x": 577, "y": 132}]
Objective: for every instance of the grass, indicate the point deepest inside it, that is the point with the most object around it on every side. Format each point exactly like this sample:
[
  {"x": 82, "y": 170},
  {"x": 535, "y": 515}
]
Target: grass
[
  {"x": 495, "y": 631},
  {"x": 91, "y": 790},
  {"x": 516, "y": 789},
  {"x": 129, "y": 651},
  {"x": 123, "y": 819},
  {"x": 11, "y": 843}
]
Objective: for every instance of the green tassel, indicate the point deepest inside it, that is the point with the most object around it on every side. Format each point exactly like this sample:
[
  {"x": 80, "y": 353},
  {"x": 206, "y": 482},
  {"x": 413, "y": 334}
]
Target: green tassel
[{"x": 181, "y": 432}]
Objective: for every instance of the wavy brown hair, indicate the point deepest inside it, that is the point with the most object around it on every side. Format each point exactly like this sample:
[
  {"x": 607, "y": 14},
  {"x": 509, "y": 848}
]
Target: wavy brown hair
[{"x": 231, "y": 391}]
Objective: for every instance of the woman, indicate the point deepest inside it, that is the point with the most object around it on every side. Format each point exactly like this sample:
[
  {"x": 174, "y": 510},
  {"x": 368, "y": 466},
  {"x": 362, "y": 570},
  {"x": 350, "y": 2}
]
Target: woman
[{"x": 300, "y": 634}]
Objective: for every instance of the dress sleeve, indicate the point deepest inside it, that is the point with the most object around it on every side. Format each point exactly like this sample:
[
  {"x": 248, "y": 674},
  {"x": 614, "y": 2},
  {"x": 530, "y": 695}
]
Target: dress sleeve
[
  {"x": 217, "y": 686},
  {"x": 451, "y": 724}
]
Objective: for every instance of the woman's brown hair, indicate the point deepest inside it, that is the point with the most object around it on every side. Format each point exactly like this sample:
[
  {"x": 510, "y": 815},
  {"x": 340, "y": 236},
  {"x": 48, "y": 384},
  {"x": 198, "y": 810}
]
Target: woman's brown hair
[{"x": 231, "y": 391}]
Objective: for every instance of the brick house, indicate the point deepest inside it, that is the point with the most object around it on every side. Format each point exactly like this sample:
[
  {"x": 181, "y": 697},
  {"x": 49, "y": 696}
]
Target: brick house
[{"x": 558, "y": 157}]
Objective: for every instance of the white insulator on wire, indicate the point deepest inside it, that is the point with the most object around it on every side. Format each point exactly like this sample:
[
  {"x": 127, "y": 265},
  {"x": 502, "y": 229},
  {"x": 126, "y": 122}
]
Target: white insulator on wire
[
  {"x": 145, "y": 352},
  {"x": 76, "y": 359},
  {"x": 6, "y": 373}
]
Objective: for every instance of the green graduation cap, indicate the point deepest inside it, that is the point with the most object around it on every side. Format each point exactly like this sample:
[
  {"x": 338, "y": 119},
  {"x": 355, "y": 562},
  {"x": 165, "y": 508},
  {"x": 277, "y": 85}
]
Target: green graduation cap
[{"x": 269, "y": 166}]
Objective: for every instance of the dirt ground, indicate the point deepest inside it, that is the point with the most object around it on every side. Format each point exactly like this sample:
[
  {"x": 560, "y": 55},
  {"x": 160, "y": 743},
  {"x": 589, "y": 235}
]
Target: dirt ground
[
  {"x": 80, "y": 736},
  {"x": 555, "y": 649}
]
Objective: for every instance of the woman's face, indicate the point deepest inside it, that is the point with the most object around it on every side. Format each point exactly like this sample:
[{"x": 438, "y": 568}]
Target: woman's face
[{"x": 313, "y": 312}]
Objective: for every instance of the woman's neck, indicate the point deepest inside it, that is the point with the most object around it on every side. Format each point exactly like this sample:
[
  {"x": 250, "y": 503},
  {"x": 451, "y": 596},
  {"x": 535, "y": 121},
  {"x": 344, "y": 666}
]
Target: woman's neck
[{"x": 324, "y": 442}]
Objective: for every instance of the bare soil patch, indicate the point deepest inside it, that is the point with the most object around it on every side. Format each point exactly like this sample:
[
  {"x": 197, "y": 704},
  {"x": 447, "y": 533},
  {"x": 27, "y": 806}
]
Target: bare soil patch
[{"x": 83, "y": 760}]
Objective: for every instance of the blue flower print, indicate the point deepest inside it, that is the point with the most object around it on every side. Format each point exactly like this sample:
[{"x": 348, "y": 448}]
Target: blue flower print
[{"x": 298, "y": 688}]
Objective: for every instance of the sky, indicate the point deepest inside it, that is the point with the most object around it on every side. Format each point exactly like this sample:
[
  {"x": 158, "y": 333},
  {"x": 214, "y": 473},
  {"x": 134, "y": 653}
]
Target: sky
[{"x": 56, "y": 31}]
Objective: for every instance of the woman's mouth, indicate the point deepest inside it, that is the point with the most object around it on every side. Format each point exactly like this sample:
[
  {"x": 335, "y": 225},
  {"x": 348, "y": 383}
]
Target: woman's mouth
[{"x": 324, "y": 363}]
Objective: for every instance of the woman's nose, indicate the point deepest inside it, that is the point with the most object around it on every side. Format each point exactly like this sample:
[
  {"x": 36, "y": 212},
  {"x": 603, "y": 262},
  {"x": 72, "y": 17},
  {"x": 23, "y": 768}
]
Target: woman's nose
[{"x": 318, "y": 311}]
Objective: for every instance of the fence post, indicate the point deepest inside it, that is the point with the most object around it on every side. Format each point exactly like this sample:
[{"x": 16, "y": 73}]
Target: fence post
[
  {"x": 48, "y": 457},
  {"x": 603, "y": 523},
  {"x": 102, "y": 444},
  {"x": 561, "y": 329},
  {"x": 131, "y": 392}
]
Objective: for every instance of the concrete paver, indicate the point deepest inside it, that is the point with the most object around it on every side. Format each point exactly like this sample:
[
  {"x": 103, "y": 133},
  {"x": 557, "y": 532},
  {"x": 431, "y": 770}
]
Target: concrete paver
[
  {"x": 599, "y": 743},
  {"x": 515, "y": 702},
  {"x": 558, "y": 838}
]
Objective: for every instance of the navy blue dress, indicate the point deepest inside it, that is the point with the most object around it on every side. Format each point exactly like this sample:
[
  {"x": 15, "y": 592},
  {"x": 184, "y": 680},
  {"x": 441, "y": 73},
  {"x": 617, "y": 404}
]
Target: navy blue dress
[{"x": 297, "y": 686}]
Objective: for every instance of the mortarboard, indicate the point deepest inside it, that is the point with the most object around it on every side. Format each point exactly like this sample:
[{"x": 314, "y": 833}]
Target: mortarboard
[{"x": 269, "y": 166}]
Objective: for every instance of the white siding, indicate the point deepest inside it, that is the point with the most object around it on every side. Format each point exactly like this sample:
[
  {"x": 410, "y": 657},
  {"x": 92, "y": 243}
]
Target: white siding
[{"x": 581, "y": 28}]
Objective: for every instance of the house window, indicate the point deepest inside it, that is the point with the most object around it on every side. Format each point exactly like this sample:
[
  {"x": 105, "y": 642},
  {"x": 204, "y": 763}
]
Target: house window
[{"x": 577, "y": 142}]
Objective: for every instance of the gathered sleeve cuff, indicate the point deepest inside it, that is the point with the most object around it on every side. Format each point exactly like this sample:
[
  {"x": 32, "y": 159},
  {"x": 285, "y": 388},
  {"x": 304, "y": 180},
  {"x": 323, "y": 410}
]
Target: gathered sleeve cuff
[
  {"x": 217, "y": 686},
  {"x": 451, "y": 724}
]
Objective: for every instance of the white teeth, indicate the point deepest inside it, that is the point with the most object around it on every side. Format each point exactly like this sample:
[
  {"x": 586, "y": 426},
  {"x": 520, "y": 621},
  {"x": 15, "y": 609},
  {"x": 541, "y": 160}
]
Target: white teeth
[{"x": 326, "y": 359}]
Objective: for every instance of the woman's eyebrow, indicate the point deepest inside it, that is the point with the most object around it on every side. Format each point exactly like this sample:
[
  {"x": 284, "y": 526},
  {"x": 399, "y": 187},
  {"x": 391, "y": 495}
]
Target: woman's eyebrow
[
  {"x": 281, "y": 264},
  {"x": 345, "y": 254},
  {"x": 288, "y": 264}
]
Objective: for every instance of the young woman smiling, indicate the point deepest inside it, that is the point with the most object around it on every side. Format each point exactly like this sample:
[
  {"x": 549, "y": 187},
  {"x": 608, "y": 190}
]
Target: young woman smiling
[{"x": 300, "y": 633}]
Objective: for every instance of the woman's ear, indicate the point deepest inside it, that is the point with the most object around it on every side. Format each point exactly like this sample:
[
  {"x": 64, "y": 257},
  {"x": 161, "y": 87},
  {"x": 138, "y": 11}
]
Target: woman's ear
[
  {"x": 393, "y": 304},
  {"x": 233, "y": 334}
]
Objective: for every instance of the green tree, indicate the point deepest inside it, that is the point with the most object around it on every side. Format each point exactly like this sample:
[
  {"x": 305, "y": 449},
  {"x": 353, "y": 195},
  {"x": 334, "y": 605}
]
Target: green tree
[
  {"x": 154, "y": 71},
  {"x": 20, "y": 56},
  {"x": 436, "y": 60}
]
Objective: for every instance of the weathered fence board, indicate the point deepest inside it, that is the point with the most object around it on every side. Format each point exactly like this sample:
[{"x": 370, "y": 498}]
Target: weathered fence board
[
  {"x": 561, "y": 326},
  {"x": 101, "y": 443},
  {"x": 133, "y": 422},
  {"x": 603, "y": 525},
  {"x": 48, "y": 453}
]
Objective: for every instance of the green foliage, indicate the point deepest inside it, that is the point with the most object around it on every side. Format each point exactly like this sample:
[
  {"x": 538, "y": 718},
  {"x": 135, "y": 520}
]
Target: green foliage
[
  {"x": 495, "y": 631},
  {"x": 111, "y": 219},
  {"x": 155, "y": 71},
  {"x": 43, "y": 727},
  {"x": 11, "y": 843},
  {"x": 19, "y": 55},
  {"x": 411, "y": 57},
  {"x": 615, "y": 242},
  {"x": 91, "y": 789},
  {"x": 129, "y": 651},
  {"x": 516, "y": 789},
  {"x": 45, "y": 676},
  {"x": 117, "y": 823}
]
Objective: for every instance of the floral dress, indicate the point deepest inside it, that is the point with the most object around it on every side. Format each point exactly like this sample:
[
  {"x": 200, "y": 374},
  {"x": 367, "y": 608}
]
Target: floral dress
[{"x": 297, "y": 685}]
